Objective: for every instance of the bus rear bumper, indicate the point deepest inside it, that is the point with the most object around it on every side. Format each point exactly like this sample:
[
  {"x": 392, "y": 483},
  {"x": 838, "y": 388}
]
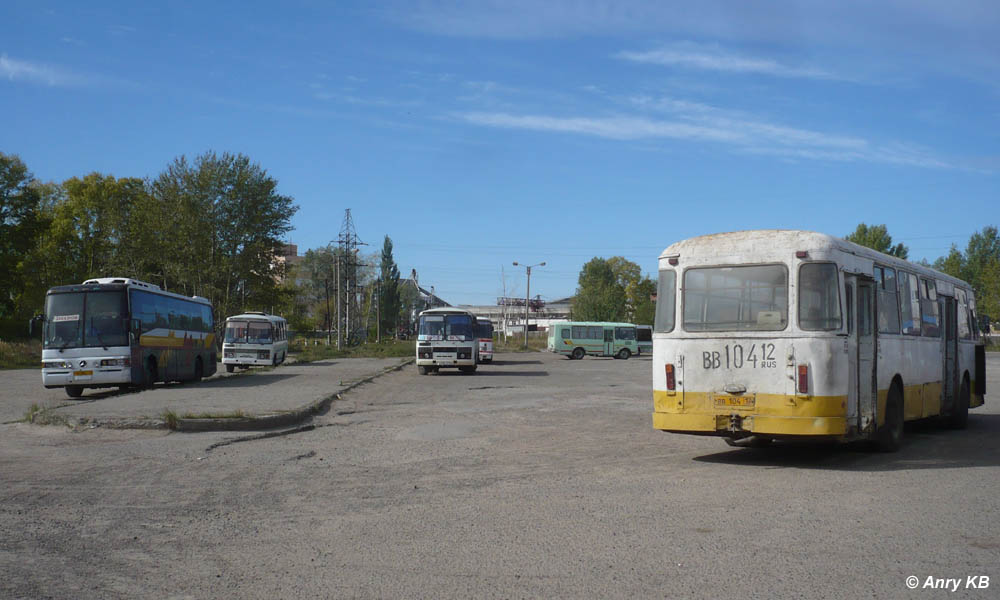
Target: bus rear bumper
[{"x": 738, "y": 425}]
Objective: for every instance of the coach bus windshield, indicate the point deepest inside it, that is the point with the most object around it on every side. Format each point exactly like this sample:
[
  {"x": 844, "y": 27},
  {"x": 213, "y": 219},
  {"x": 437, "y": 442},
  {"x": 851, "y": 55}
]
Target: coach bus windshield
[
  {"x": 445, "y": 327},
  {"x": 85, "y": 319}
]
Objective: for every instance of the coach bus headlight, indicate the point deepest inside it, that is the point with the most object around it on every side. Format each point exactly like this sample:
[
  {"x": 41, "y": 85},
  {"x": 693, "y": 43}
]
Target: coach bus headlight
[
  {"x": 263, "y": 354},
  {"x": 115, "y": 362},
  {"x": 466, "y": 353},
  {"x": 55, "y": 364},
  {"x": 229, "y": 354},
  {"x": 426, "y": 353}
]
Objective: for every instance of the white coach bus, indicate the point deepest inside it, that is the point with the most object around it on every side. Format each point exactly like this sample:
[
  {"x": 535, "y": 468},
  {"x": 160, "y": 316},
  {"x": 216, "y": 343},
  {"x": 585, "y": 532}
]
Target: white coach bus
[
  {"x": 121, "y": 332},
  {"x": 792, "y": 334},
  {"x": 254, "y": 339},
  {"x": 447, "y": 337}
]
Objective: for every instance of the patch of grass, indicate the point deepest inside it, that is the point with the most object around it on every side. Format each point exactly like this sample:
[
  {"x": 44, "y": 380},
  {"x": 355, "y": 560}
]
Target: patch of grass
[
  {"x": 170, "y": 418},
  {"x": 29, "y": 416},
  {"x": 386, "y": 349},
  {"x": 516, "y": 343},
  {"x": 236, "y": 414},
  {"x": 20, "y": 355},
  {"x": 38, "y": 415}
]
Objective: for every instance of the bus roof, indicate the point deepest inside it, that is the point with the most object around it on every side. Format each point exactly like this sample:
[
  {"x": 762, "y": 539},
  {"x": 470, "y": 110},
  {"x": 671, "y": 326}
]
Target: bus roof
[
  {"x": 447, "y": 310},
  {"x": 594, "y": 323},
  {"x": 256, "y": 316},
  {"x": 120, "y": 283},
  {"x": 766, "y": 245}
]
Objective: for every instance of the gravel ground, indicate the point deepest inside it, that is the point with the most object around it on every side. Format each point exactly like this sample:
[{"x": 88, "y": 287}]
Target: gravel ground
[
  {"x": 536, "y": 477},
  {"x": 254, "y": 392}
]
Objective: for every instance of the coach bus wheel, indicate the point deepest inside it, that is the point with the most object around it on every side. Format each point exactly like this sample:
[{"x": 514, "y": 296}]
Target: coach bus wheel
[
  {"x": 199, "y": 370},
  {"x": 959, "y": 417},
  {"x": 890, "y": 436},
  {"x": 74, "y": 391},
  {"x": 624, "y": 354},
  {"x": 230, "y": 368},
  {"x": 422, "y": 370},
  {"x": 150, "y": 373},
  {"x": 577, "y": 353}
]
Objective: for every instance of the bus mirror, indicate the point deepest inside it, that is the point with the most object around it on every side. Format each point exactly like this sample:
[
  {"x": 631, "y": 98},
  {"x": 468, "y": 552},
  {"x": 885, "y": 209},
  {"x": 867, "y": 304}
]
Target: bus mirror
[
  {"x": 136, "y": 327},
  {"x": 31, "y": 324}
]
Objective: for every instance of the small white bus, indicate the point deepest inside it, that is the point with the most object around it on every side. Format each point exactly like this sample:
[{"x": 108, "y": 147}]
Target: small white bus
[
  {"x": 447, "y": 338},
  {"x": 763, "y": 335},
  {"x": 254, "y": 339},
  {"x": 484, "y": 329}
]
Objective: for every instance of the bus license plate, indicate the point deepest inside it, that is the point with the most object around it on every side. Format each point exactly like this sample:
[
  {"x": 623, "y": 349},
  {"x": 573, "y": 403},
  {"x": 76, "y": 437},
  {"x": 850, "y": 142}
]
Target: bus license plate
[
  {"x": 83, "y": 373},
  {"x": 735, "y": 401}
]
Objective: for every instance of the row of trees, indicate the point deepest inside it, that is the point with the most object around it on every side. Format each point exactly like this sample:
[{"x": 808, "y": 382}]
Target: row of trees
[
  {"x": 614, "y": 289},
  {"x": 209, "y": 227}
]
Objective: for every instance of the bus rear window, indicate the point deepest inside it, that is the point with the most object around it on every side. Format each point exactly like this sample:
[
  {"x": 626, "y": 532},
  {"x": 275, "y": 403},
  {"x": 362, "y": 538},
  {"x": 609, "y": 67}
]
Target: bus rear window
[
  {"x": 743, "y": 298},
  {"x": 819, "y": 297},
  {"x": 666, "y": 293}
]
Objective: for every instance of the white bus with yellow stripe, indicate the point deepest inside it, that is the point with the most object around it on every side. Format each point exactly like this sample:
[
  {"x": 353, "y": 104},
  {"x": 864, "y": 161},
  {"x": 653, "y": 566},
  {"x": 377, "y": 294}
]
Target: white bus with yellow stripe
[
  {"x": 775, "y": 334},
  {"x": 120, "y": 332}
]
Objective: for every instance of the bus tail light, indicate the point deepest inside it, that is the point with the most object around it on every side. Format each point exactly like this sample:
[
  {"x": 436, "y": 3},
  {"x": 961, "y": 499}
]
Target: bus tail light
[
  {"x": 803, "y": 379},
  {"x": 671, "y": 380}
]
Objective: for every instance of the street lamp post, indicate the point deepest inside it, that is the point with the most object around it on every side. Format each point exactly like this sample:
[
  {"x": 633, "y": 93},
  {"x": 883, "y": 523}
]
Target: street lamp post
[{"x": 527, "y": 298}]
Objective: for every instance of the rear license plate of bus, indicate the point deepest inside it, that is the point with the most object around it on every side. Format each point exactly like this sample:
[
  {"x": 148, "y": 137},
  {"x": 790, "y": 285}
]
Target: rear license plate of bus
[{"x": 735, "y": 401}]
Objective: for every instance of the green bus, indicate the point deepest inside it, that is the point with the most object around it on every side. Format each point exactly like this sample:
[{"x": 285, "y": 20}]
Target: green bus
[{"x": 577, "y": 339}]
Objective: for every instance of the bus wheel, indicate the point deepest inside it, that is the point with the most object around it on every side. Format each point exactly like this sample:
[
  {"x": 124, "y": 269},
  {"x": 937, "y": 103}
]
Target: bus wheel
[
  {"x": 468, "y": 369},
  {"x": 577, "y": 353},
  {"x": 150, "y": 373},
  {"x": 890, "y": 436},
  {"x": 422, "y": 370},
  {"x": 959, "y": 417},
  {"x": 624, "y": 354},
  {"x": 230, "y": 368},
  {"x": 199, "y": 370},
  {"x": 74, "y": 391}
]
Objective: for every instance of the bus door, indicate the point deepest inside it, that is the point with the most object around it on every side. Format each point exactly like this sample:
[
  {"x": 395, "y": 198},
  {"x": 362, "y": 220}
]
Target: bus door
[
  {"x": 609, "y": 341},
  {"x": 861, "y": 349},
  {"x": 950, "y": 353}
]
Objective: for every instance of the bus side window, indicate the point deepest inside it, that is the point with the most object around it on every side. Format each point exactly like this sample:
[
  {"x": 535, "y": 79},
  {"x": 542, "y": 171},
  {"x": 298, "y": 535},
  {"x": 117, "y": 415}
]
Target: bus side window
[
  {"x": 930, "y": 321},
  {"x": 566, "y": 333},
  {"x": 909, "y": 303}
]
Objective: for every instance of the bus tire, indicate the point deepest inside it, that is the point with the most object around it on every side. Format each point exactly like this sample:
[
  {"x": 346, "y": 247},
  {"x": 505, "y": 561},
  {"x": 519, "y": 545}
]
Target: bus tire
[
  {"x": 199, "y": 369},
  {"x": 74, "y": 391},
  {"x": 959, "y": 417},
  {"x": 578, "y": 353},
  {"x": 230, "y": 368},
  {"x": 624, "y": 354},
  {"x": 151, "y": 374},
  {"x": 468, "y": 368},
  {"x": 889, "y": 437},
  {"x": 422, "y": 370}
]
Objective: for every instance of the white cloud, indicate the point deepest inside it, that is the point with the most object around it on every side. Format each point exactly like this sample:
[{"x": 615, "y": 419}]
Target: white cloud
[
  {"x": 22, "y": 70},
  {"x": 714, "y": 59},
  {"x": 702, "y": 123}
]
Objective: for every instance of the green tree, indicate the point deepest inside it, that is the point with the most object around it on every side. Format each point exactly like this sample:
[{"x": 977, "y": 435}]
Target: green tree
[
  {"x": 21, "y": 221},
  {"x": 645, "y": 307},
  {"x": 599, "y": 297},
  {"x": 953, "y": 264},
  {"x": 877, "y": 237},
  {"x": 219, "y": 223},
  {"x": 319, "y": 270},
  {"x": 389, "y": 300}
]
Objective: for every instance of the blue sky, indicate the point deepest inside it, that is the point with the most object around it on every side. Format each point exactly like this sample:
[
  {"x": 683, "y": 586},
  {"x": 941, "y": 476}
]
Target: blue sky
[{"x": 475, "y": 134}]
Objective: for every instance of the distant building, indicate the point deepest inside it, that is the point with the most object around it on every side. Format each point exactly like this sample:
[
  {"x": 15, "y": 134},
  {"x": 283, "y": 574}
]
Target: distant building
[
  {"x": 508, "y": 314},
  {"x": 287, "y": 258}
]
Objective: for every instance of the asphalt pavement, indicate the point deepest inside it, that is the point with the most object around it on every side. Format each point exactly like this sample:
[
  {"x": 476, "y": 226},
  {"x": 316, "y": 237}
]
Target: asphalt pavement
[{"x": 251, "y": 399}]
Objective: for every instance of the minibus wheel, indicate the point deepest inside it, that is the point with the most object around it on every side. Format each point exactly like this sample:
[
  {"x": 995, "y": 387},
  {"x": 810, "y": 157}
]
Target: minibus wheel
[
  {"x": 959, "y": 417},
  {"x": 624, "y": 354},
  {"x": 890, "y": 436},
  {"x": 422, "y": 370},
  {"x": 74, "y": 391},
  {"x": 577, "y": 353},
  {"x": 230, "y": 368}
]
